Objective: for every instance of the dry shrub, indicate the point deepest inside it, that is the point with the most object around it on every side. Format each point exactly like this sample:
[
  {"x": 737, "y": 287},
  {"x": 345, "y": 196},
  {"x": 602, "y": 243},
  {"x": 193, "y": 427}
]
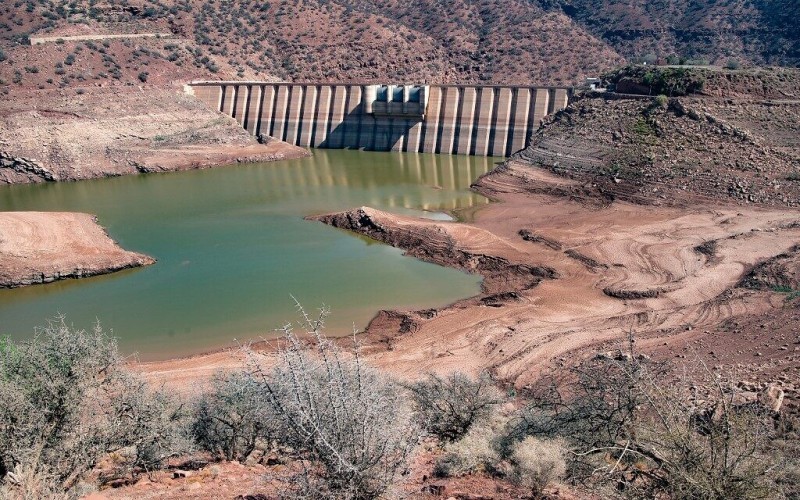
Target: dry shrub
[
  {"x": 537, "y": 463},
  {"x": 476, "y": 451},
  {"x": 448, "y": 406},
  {"x": 66, "y": 400},
  {"x": 632, "y": 425},
  {"x": 347, "y": 419},
  {"x": 234, "y": 417}
]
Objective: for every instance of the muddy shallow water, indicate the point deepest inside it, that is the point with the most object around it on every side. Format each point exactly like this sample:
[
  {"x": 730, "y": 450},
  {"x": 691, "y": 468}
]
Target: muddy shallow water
[{"x": 232, "y": 246}]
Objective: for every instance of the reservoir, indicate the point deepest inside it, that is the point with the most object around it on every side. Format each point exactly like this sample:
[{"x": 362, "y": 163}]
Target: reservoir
[{"x": 232, "y": 247}]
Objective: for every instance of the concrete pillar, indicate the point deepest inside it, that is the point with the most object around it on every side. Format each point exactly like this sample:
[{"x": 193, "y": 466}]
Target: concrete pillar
[
  {"x": 431, "y": 126},
  {"x": 469, "y": 98},
  {"x": 561, "y": 100},
  {"x": 370, "y": 94},
  {"x": 413, "y": 138},
  {"x": 483, "y": 122},
  {"x": 323, "y": 112},
  {"x": 240, "y": 105},
  {"x": 308, "y": 115},
  {"x": 452, "y": 98},
  {"x": 501, "y": 120},
  {"x": 228, "y": 99},
  {"x": 265, "y": 118},
  {"x": 352, "y": 118},
  {"x": 398, "y": 134},
  {"x": 339, "y": 106},
  {"x": 539, "y": 107},
  {"x": 281, "y": 107},
  {"x": 519, "y": 121},
  {"x": 293, "y": 120},
  {"x": 253, "y": 109}
]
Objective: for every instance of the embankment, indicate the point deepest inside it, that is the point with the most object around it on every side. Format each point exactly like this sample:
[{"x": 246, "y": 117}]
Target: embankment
[
  {"x": 101, "y": 132},
  {"x": 42, "y": 247}
]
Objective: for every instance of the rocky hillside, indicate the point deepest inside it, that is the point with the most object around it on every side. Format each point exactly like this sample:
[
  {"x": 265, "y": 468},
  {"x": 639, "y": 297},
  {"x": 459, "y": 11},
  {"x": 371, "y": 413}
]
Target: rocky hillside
[
  {"x": 761, "y": 32},
  {"x": 424, "y": 40},
  {"x": 734, "y": 137},
  {"x": 479, "y": 41}
]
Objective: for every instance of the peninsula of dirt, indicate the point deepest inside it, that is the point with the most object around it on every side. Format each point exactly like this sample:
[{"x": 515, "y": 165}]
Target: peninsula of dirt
[{"x": 41, "y": 247}]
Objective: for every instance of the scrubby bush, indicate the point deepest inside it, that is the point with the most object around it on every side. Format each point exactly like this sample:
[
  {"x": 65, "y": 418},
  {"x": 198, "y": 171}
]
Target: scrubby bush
[
  {"x": 629, "y": 424},
  {"x": 233, "y": 417},
  {"x": 478, "y": 450},
  {"x": 537, "y": 463},
  {"x": 66, "y": 401},
  {"x": 347, "y": 418},
  {"x": 448, "y": 406}
]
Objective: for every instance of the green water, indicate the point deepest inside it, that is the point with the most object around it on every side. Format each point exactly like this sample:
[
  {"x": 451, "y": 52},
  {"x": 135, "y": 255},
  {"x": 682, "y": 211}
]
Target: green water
[{"x": 232, "y": 246}]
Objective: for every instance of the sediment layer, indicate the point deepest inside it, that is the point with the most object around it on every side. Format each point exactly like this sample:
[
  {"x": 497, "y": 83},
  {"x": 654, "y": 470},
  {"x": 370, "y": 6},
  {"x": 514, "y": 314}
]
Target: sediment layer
[{"x": 611, "y": 268}]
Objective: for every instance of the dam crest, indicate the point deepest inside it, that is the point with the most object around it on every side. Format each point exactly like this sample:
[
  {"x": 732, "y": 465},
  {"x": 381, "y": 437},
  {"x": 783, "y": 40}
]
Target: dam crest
[{"x": 444, "y": 119}]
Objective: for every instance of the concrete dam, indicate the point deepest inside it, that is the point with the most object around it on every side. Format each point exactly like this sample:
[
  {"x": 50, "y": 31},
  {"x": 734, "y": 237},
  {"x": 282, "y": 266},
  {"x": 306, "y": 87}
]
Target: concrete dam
[{"x": 446, "y": 119}]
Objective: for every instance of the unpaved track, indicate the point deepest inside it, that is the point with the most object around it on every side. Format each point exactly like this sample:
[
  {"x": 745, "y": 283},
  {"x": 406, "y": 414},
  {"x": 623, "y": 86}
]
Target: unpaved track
[{"x": 40, "y": 247}]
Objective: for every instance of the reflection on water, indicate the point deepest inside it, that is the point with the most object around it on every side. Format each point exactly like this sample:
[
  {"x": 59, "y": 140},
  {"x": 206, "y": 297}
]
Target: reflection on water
[{"x": 232, "y": 245}]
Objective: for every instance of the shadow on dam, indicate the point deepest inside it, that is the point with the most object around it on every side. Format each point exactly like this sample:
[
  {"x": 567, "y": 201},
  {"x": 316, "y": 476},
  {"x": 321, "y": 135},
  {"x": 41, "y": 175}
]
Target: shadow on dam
[{"x": 443, "y": 119}]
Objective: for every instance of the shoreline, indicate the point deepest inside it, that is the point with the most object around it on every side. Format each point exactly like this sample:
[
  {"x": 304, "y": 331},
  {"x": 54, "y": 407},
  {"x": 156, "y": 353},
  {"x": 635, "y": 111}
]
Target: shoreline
[
  {"x": 566, "y": 274},
  {"x": 109, "y": 132}
]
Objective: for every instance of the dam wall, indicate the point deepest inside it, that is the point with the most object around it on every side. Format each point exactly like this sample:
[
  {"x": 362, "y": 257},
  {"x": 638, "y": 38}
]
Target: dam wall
[{"x": 445, "y": 119}]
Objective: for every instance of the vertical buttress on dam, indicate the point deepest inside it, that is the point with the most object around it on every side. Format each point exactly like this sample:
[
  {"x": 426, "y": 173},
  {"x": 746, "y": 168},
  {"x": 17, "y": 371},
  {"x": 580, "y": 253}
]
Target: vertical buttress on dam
[{"x": 446, "y": 119}]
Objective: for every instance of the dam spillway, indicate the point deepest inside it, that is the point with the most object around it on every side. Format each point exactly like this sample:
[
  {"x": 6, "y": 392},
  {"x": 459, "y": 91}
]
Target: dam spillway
[{"x": 444, "y": 119}]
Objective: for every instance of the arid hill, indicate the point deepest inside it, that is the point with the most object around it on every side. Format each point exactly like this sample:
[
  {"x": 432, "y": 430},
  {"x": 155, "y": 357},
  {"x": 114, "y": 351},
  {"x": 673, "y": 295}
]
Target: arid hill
[
  {"x": 477, "y": 41},
  {"x": 761, "y": 32},
  {"x": 722, "y": 135}
]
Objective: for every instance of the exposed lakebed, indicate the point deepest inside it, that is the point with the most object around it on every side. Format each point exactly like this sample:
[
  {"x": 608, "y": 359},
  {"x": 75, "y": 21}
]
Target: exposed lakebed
[{"x": 232, "y": 246}]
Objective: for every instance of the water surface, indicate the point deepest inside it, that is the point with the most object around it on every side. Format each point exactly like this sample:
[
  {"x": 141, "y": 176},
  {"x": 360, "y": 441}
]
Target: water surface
[{"x": 232, "y": 246}]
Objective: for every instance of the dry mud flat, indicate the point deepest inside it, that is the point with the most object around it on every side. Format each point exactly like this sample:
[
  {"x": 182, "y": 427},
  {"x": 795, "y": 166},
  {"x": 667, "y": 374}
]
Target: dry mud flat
[
  {"x": 568, "y": 275},
  {"x": 40, "y": 247}
]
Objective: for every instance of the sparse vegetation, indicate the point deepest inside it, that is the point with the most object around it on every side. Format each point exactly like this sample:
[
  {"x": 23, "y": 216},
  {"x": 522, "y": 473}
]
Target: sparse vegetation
[
  {"x": 234, "y": 417},
  {"x": 537, "y": 463},
  {"x": 65, "y": 401}
]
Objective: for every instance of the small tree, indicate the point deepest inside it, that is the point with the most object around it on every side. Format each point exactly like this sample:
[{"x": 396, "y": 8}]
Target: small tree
[
  {"x": 232, "y": 418},
  {"x": 448, "y": 406},
  {"x": 348, "y": 419}
]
